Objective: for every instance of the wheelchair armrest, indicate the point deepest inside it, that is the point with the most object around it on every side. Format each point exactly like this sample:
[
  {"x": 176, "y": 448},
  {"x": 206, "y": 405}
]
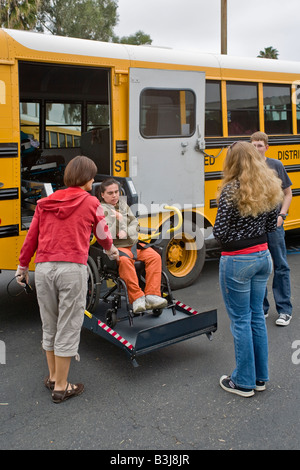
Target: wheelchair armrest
[
  {"x": 146, "y": 230},
  {"x": 157, "y": 248},
  {"x": 102, "y": 260}
]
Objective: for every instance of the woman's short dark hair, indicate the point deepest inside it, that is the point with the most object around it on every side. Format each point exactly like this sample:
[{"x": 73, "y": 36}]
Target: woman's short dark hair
[{"x": 79, "y": 171}]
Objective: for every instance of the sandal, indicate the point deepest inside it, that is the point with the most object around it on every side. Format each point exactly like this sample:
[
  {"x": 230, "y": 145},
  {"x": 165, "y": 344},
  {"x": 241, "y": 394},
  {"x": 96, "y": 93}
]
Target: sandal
[
  {"x": 49, "y": 384},
  {"x": 58, "y": 396}
]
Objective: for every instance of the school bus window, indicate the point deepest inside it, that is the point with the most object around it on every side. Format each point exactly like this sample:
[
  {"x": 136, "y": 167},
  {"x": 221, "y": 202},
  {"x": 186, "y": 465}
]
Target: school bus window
[
  {"x": 98, "y": 115},
  {"x": 62, "y": 140},
  {"x": 69, "y": 140},
  {"x": 53, "y": 140},
  {"x": 167, "y": 113},
  {"x": 298, "y": 108},
  {"x": 30, "y": 119},
  {"x": 277, "y": 109},
  {"x": 213, "y": 109},
  {"x": 242, "y": 108},
  {"x": 63, "y": 118},
  {"x": 76, "y": 140}
]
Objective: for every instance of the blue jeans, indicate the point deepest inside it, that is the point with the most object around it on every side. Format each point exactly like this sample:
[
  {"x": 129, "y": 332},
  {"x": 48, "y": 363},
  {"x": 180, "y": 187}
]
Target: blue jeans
[
  {"x": 281, "y": 280},
  {"x": 243, "y": 280}
]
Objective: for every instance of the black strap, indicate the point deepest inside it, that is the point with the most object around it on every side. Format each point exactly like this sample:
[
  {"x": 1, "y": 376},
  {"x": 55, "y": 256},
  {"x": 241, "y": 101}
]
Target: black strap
[{"x": 134, "y": 250}]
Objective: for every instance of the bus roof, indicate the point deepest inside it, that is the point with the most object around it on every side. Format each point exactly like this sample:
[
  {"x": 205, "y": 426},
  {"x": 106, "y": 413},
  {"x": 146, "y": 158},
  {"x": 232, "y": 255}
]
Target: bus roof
[{"x": 83, "y": 47}]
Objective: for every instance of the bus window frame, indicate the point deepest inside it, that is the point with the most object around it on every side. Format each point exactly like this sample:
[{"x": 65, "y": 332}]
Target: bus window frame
[
  {"x": 289, "y": 111},
  {"x": 243, "y": 110},
  {"x": 169, "y": 136},
  {"x": 221, "y": 133},
  {"x": 49, "y": 128}
]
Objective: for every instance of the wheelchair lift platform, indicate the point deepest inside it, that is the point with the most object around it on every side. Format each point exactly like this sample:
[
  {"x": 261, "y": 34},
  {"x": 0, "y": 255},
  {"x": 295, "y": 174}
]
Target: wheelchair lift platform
[{"x": 149, "y": 332}]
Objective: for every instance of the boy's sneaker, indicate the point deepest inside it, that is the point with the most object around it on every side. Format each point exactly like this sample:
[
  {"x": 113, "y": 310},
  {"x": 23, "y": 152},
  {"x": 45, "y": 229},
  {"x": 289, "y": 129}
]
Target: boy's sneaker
[
  {"x": 139, "y": 305},
  {"x": 260, "y": 386},
  {"x": 283, "y": 319},
  {"x": 227, "y": 384},
  {"x": 154, "y": 301}
]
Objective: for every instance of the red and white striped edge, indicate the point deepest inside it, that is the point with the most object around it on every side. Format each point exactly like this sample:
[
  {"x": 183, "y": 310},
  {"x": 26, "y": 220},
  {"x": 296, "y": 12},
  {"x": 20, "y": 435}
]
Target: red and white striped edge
[
  {"x": 124, "y": 341},
  {"x": 186, "y": 307},
  {"x": 116, "y": 335}
]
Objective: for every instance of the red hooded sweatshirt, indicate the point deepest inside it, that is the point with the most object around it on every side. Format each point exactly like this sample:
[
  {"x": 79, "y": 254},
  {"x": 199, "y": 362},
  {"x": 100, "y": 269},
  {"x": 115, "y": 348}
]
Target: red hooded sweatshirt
[{"x": 61, "y": 227}]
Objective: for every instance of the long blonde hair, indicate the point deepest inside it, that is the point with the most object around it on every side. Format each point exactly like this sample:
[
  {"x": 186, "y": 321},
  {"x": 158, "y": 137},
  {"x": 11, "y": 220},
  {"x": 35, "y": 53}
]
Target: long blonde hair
[{"x": 259, "y": 186}]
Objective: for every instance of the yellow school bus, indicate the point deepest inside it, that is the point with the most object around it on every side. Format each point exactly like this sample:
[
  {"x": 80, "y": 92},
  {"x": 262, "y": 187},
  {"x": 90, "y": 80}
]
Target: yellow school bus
[
  {"x": 160, "y": 117},
  {"x": 55, "y": 136}
]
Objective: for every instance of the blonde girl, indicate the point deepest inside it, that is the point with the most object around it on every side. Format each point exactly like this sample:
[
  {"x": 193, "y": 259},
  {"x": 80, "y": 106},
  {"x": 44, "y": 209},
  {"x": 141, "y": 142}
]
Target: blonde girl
[{"x": 248, "y": 202}]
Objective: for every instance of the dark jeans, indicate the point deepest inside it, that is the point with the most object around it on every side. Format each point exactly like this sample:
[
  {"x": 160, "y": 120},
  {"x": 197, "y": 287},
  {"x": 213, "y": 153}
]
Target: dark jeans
[{"x": 281, "y": 279}]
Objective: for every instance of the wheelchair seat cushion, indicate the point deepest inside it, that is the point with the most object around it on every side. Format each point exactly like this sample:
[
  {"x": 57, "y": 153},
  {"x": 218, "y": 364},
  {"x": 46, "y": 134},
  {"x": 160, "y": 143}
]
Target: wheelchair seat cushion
[{"x": 139, "y": 267}]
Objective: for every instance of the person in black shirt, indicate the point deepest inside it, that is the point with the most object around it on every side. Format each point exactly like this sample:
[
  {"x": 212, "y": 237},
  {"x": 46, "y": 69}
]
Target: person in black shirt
[{"x": 276, "y": 240}]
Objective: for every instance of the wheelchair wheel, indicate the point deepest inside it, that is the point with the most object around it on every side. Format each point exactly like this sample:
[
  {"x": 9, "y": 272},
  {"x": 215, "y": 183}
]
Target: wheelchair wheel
[
  {"x": 157, "y": 312},
  {"x": 94, "y": 287},
  {"x": 111, "y": 318}
]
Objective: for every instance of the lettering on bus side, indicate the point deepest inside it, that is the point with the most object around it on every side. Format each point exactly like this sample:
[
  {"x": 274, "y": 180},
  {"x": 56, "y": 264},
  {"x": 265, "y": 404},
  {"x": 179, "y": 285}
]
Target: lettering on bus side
[
  {"x": 209, "y": 161},
  {"x": 120, "y": 165},
  {"x": 288, "y": 154}
]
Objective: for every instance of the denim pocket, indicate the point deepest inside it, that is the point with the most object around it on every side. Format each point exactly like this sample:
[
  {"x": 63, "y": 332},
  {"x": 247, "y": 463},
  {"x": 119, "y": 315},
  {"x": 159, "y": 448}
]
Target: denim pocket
[{"x": 244, "y": 269}]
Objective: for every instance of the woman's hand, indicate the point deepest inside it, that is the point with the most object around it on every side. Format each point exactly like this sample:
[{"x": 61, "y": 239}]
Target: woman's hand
[
  {"x": 113, "y": 253},
  {"x": 122, "y": 234},
  {"x": 117, "y": 214},
  {"x": 22, "y": 276}
]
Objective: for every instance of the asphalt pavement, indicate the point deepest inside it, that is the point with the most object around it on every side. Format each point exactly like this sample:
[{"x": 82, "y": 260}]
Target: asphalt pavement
[{"x": 171, "y": 403}]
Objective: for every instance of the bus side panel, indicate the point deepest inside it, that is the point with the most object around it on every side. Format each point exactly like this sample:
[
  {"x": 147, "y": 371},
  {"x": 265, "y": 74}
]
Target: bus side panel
[
  {"x": 213, "y": 165},
  {"x": 9, "y": 168},
  {"x": 119, "y": 87},
  {"x": 10, "y": 251},
  {"x": 289, "y": 155}
]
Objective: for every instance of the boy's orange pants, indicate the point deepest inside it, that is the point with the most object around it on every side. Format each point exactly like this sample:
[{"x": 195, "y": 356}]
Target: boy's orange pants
[{"x": 128, "y": 273}]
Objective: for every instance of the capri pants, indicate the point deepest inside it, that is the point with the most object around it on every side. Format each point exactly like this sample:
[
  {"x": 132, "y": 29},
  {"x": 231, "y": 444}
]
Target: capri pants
[{"x": 61, "y": 292}]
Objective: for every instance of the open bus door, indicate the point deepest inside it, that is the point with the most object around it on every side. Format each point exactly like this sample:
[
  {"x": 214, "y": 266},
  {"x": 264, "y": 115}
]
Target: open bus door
[{"x": 166, "y": 132}]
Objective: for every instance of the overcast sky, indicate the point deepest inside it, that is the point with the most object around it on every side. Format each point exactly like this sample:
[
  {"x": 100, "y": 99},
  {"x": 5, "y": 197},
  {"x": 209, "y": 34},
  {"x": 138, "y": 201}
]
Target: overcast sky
[{"x": 195, "y": 24}]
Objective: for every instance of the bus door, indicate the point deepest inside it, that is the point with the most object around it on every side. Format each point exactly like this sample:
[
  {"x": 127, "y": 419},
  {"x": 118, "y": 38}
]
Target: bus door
[{"x": 166, "y": 130}]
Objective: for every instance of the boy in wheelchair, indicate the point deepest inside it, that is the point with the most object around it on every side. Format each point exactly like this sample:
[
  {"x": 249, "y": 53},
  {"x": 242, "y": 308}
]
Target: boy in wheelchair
[{"x": 124, "y": 228}]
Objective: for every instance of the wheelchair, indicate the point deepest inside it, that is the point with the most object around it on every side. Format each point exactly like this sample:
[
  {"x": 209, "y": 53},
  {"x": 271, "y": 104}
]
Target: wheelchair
[{"x": 108, "y": 291}]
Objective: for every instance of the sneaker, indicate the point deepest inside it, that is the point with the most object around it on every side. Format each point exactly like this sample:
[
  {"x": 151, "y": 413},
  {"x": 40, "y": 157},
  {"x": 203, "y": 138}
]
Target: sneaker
[
  {"x": 260, "y": 386},
  {"x": 283, "y": 319},
  {"x": 154, "y": 301},
  {"x": 227, "y": 384},
  {"x": 139, "y": 305},
  {"x": 266, "y": 314}
]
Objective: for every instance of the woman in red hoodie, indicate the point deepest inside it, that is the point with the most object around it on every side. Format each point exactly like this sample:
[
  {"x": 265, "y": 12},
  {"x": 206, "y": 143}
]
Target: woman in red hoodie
[{"x": 59, "y": 234}]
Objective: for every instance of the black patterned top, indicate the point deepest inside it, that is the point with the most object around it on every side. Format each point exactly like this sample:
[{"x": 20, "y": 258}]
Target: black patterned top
[{"x": 235, "y": 232}]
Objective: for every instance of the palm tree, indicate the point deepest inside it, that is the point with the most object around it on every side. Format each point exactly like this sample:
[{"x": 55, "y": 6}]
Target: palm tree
[
  {"x": 269, "y": 53},
  {"x": 18, "y": 14}
]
